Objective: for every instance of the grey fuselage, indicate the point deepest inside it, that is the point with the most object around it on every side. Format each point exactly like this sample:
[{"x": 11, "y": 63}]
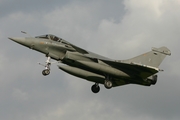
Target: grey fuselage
[{"x": 88, "y": 65}]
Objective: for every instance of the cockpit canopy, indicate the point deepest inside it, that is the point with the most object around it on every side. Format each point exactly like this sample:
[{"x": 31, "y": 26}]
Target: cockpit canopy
[{"x": 53, "y": 37}]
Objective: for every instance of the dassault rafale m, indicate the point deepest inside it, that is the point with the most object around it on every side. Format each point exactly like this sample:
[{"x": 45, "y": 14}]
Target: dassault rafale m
[{"x": 141, "y": 70}]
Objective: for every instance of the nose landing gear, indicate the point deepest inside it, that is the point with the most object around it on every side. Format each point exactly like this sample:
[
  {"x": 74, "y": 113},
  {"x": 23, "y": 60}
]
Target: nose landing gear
[{"x": 46, "y": 71}]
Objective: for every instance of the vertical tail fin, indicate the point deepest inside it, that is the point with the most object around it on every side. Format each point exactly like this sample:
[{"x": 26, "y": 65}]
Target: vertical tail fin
[{"x": 152, "y": 58}]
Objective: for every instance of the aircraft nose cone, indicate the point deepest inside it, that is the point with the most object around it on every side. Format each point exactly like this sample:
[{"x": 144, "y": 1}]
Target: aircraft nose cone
[
  {"x": 17, "y": 39},
  {"x": 21, "y": 40}
]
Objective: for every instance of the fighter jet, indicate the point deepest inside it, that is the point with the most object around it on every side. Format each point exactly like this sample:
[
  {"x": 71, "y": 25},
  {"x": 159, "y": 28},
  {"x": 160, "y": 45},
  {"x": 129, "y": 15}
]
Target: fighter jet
[{"x": 141, "y": 70}]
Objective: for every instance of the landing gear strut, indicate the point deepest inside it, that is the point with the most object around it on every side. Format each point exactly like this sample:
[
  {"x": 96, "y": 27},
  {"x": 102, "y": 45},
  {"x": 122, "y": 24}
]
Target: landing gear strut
[
  {"x": 95, "y": 88},
  {"x": 46, "y": 71}
]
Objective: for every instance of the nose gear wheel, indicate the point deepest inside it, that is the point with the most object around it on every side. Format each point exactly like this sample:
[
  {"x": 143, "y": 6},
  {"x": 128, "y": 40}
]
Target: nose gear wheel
[{"x": 46, "y": 71}]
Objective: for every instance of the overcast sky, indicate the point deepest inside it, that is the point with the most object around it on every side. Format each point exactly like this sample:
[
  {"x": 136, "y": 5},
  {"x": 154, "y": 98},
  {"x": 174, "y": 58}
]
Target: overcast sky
[{"x": 117, "y": 29}]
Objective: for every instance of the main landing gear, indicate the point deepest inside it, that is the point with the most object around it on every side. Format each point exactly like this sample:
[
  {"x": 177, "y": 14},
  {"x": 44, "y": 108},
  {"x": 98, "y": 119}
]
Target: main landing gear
[
  {"x": 46, "y": 71},
  {"x": 107, "y": 84},
  {"x": 95, "y": 88}
]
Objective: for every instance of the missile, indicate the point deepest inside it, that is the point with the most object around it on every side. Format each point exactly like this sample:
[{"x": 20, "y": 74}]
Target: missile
[
  {"x": 90, "y": 76},
  {"x": 103, "y": 68}
]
